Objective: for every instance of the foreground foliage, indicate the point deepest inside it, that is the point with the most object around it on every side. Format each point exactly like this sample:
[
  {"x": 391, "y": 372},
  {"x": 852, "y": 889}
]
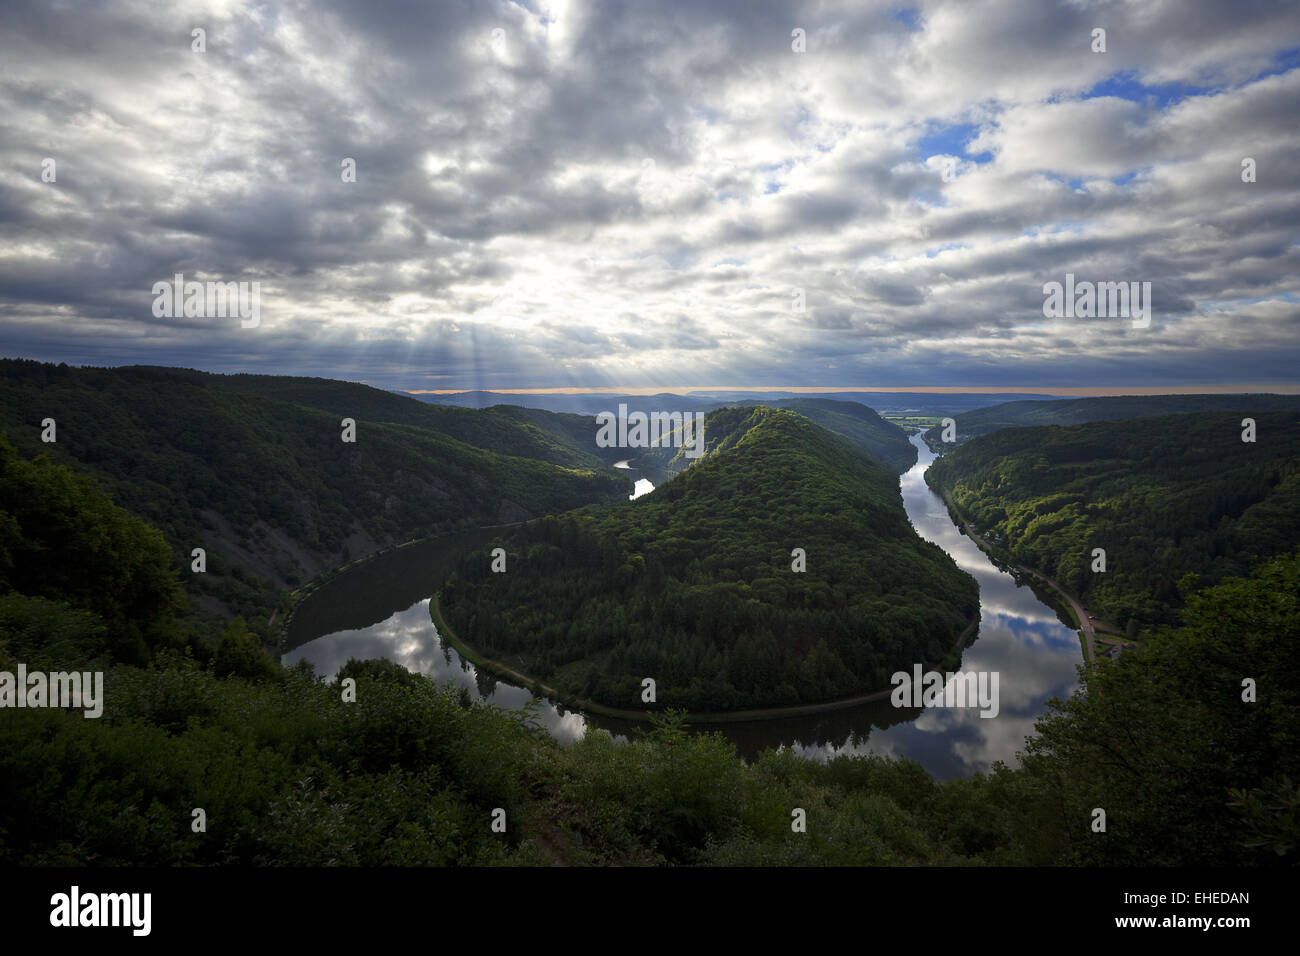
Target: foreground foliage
[{"x": 411, "y": 772}]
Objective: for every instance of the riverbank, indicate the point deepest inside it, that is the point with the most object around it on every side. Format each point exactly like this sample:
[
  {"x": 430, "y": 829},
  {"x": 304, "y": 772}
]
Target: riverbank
[
  {"x": 300, "y": 594},
  {"x": 1083, "y": 622},
  {"x": 500, "y": 670},
  {"x": 383, "y": 610}
]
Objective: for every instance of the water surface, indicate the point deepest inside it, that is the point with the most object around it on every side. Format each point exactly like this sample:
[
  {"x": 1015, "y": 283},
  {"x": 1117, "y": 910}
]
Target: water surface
[{"x": 381, "y": 609}]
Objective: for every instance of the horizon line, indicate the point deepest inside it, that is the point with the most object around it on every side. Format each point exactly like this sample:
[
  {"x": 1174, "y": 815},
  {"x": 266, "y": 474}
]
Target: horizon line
[{"x": 1082, "y": 391}]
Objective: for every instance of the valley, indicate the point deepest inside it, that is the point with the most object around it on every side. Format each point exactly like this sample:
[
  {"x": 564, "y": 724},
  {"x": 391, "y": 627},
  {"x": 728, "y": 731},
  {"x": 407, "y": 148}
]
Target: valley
[
  {"x": 192, "y": 700},
  {"x": 1018, "y": 635}
]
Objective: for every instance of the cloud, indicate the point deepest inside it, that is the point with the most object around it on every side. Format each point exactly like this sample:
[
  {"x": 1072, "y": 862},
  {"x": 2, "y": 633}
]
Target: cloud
[{"x": 553, "y": 194}]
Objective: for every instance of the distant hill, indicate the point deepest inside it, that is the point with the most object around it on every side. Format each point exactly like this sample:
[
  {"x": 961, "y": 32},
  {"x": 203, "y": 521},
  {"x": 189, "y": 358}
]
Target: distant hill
[
  {"x": 1077, "y": 411},
  {"x": 915, "y": 403},
  {"x": 693, "y": 586},
  {"x": 580, "y": 403},
  {"x": 560, "y": 439},
  {"x": 856, "y": 422},
  {"x": 882, "y": 440},
  {"x": 1164, "y": 497},
  {"x": 253, "y": 468}
]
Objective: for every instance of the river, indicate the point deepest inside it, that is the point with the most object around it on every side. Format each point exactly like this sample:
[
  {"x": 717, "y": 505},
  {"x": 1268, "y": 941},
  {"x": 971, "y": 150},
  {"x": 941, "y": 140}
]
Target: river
[
  {"x": 381, "y": 609},
  {"x": 643, "y": 486}
]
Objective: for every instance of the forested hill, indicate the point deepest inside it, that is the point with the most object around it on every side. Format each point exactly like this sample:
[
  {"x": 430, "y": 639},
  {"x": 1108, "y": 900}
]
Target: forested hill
[
  {"x": 693, "y": 585},
  {"x": 856, "y": 422},
  {"x": 1079, "y": 411},
  {"x": 412, "y": 773},
  {"x": 853, "y": 421},
  {"x": 254, "y": 470},
  {"x": 560, "y": 438},
  {"x": 1165, "y": 497}
]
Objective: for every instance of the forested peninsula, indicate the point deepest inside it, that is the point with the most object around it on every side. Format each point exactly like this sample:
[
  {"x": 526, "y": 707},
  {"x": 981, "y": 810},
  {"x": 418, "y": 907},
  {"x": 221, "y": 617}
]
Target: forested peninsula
[{"x": 701, "y": 586}]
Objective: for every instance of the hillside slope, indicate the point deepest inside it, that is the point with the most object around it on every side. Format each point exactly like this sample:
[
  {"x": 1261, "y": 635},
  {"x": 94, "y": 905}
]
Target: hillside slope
[
  {"x": 1164, "y": 497},
  {"x": 298, "y": 777},
  {"x": 856, "y": 422},
  {"x": 693, "y": 585},
  {"x": 1080, "y": 411},
  {"x": 266, "y": 485},
  {"x": 860, "y": 425},
  {"x": 558, "y": 438}
]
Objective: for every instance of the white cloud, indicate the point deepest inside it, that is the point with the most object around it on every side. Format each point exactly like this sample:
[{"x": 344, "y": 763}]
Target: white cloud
[{"x": 629, "y": 193}]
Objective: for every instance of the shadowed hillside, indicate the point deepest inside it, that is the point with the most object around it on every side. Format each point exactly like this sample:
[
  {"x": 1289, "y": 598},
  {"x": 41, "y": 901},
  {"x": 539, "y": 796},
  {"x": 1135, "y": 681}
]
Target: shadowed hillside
[
  {"x": 693, "y": 585},
  {"x": 1079, "y": 411},
  {"x": 254, "y": 470},
  {"x": 1164, "y": 497}
]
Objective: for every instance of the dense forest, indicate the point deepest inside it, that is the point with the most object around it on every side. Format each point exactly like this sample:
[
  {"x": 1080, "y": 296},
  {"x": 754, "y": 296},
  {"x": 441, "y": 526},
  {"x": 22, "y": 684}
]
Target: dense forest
[
  {"x": 196, "y": 716},
  {"x": 1079, "y": 411},
  {"x": 1164, "y": 497},
  {"x": 253, "y": 468},
  {"x": 693, "y": 586},
  {"x": 561, "y": 439},
  {"x": 861, "y": 425}
]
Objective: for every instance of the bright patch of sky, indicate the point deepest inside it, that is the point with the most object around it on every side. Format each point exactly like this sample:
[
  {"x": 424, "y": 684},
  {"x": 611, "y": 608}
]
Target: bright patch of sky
[{"x": 632, "y": 194}]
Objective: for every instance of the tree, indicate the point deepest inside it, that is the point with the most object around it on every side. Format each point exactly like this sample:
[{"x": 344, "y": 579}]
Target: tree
[{"x": 240, "y": 654}]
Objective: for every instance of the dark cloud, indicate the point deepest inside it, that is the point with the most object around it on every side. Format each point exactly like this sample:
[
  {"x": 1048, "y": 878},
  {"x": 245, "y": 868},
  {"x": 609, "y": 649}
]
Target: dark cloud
[{"x": 629, "y": 192}]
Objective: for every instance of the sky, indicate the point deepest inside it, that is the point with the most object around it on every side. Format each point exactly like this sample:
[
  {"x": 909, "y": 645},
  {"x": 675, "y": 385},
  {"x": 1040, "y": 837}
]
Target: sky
[{"x": 638, "y": 194}]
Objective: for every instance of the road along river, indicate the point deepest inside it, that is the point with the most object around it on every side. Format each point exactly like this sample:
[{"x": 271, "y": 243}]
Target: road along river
[{"x": 381, "y": 609}]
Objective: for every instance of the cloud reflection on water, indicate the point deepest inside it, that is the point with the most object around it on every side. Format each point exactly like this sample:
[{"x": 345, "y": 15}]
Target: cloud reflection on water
[{"x": 1021, "y": 638}]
